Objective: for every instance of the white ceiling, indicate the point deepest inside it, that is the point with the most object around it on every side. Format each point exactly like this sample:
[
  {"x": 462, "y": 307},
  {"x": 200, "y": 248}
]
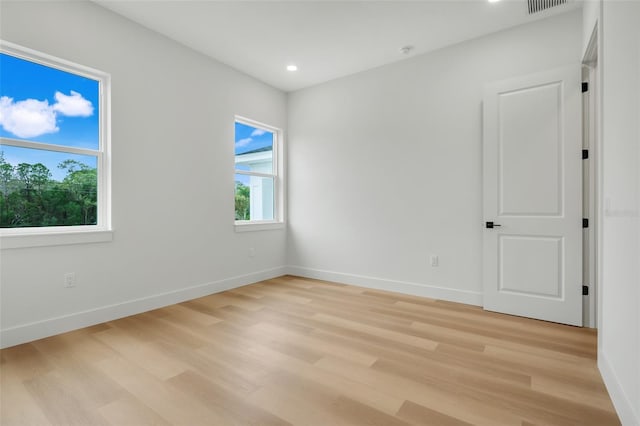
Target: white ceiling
[{"x": 326, "y": 39}]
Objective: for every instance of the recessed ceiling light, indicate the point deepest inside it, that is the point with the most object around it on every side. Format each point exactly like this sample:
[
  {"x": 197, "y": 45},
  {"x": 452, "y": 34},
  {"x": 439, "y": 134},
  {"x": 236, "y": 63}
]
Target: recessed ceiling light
[
  {"x": 292, "y": 68},
  {"x": 494, "y": 1}
]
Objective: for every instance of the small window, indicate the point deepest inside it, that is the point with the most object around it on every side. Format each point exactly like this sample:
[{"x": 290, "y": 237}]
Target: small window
[
  {"x": 54, "y": 172},
  {"x": 257, "y": 177}
]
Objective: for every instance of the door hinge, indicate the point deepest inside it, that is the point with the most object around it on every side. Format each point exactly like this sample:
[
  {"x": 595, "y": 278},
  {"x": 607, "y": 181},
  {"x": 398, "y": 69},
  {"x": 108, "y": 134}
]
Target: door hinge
[
  {"x": 585, "y": 86},
  {"x": 585, "y": 223},
  {"x": 585, "y": 154},
  {"x": 585, "y": 290}
]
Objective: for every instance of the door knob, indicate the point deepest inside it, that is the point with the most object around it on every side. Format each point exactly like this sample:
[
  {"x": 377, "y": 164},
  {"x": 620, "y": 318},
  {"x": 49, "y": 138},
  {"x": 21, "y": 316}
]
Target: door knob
[{"x": 491, "y": 225}]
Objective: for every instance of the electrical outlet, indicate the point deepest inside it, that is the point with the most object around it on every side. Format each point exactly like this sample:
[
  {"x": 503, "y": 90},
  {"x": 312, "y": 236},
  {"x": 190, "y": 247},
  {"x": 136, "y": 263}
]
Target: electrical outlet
[
  {"x": 252, "y": 252},
  {"x": 70, "y": 279},
  {"x": 434, "y": 260}
]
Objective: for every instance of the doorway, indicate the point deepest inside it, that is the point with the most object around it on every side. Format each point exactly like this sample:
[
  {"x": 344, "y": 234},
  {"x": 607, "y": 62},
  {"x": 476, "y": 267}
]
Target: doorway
[{"x": 591, "y": 180}]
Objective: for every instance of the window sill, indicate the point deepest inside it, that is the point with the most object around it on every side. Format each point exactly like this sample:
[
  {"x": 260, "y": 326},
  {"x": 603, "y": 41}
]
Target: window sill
[
  {"x": 53, "y": 238},
  {"x": 258, "y": 226}
]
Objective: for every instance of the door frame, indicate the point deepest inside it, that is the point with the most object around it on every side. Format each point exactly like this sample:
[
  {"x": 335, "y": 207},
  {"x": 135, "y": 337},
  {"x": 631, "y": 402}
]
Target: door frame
[{"x": 592, "y": 172}]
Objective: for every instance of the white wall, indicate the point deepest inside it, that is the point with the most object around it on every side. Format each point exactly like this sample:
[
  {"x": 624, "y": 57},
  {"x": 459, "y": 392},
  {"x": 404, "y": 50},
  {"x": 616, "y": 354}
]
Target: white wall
[
  {"x": 385, "y": 165},
  {"x": 619, "y": 358},
  {"x": 172, "y": 142}
]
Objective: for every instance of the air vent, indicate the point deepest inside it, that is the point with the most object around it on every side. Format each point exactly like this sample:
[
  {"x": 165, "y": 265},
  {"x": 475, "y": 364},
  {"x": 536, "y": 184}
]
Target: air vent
[{"x": 536, "y": 6}]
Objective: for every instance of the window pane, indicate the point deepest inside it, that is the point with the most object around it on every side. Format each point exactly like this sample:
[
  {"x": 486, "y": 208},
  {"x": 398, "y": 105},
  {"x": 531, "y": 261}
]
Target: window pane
[
  {"x": 253, "y": 149},
  {"x": 46, "y": 188},
  {"x": 254, "y": 198},
  {"x": 44, "y": 104}
]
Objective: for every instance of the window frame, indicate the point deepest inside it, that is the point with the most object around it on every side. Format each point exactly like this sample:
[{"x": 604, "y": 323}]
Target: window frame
[
  {"x": 277, "y": 175},
  {"x": 72, "y": 234}
]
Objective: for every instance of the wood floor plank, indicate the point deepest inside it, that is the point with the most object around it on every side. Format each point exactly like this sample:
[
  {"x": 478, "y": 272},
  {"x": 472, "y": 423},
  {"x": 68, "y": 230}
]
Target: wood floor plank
[
  {"x": 183, "y": 315},
  {"x": 520, "y": 399},
  {"x": 142, "y": 354},
  {"x": 380, "y": 332},
  {"x": 591, "y": 393},
  {"x": 417, "y": 414},
  {"x": 353, "y": 389},
  {"x": 319, "y": 346},
  {"x": 169, "y": 402},
  {"x": 26, "y": 361},
  {"x": 128, "y": 410},
  {"x": 299, "y": 351},
  {"x": 17, "y": 406},
  {"x": 583, "y": 348},
  {"x": 236, "y": 410},
  {"x": 431, "y": 396},
  {"x": 61, "y": 403},
  {"x": 211, "y": 367},
  {"x": 334, "y": 408}
]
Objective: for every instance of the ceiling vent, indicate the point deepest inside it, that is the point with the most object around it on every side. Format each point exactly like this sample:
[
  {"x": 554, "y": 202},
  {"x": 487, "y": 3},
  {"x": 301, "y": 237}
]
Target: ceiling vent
[{"x": 536, "y": 6}]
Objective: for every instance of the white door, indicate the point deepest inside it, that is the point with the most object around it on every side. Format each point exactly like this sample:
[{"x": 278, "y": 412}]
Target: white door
[{"x": 532, "y": 179}]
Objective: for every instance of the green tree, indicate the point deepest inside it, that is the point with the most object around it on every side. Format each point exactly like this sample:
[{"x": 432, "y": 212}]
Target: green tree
[
  {"x": 23, "y": 173},
  {"x": 81, "y": 183},
  {"x": 72, "y": 165},
  {"x": 30, "y": 197},
  {"x": 40, "y": 175},
  {"x": 6, "y": 176},
  {"x": 242, "y": 201}
]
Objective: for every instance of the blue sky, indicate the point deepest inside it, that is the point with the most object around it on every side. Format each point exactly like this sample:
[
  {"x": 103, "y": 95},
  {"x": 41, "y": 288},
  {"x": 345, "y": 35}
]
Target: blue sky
[
  {"x": 249, "y": 138},
  {"x": 43, "y": 104}
]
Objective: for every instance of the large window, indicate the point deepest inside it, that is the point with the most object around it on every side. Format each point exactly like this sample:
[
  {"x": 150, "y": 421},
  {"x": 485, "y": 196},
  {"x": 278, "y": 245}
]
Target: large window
[
  {"x": 257, "y": 173},
  {"x": 54, "y": 173}
]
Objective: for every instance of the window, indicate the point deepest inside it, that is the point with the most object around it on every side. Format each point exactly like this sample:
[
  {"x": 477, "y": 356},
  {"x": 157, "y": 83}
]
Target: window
[
  {"x": 54, "y": 174},
  {"x": 257, "y": 173}
]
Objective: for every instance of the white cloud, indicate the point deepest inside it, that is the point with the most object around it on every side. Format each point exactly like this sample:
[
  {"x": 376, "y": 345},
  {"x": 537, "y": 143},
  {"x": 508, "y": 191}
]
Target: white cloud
[
  {"x": 258, "y": 132},
  {"x": 31, "y": 118},
  {"x": 28, "y": 118},
  {"x": 73, "y": 105},
  {"x": 243, "y": 142}
]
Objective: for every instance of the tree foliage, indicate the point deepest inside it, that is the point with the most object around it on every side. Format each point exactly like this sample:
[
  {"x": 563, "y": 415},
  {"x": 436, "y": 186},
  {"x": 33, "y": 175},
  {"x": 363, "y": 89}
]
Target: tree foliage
[
  {"x": 242, "y": 202},
  {"x": 30, "y": 197}
]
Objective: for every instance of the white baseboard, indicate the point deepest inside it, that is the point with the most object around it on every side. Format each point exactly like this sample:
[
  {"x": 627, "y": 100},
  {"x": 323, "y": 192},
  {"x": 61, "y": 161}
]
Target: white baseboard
[
  {"x": 414, "y": 289},
  {"x": 37, "y": 330},
  {"x": 628, "y": 416}
]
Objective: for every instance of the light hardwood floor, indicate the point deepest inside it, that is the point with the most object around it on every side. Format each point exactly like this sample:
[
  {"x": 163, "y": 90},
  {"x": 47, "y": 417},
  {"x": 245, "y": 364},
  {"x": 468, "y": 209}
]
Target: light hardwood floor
[{"x": 307, "y": 352}]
